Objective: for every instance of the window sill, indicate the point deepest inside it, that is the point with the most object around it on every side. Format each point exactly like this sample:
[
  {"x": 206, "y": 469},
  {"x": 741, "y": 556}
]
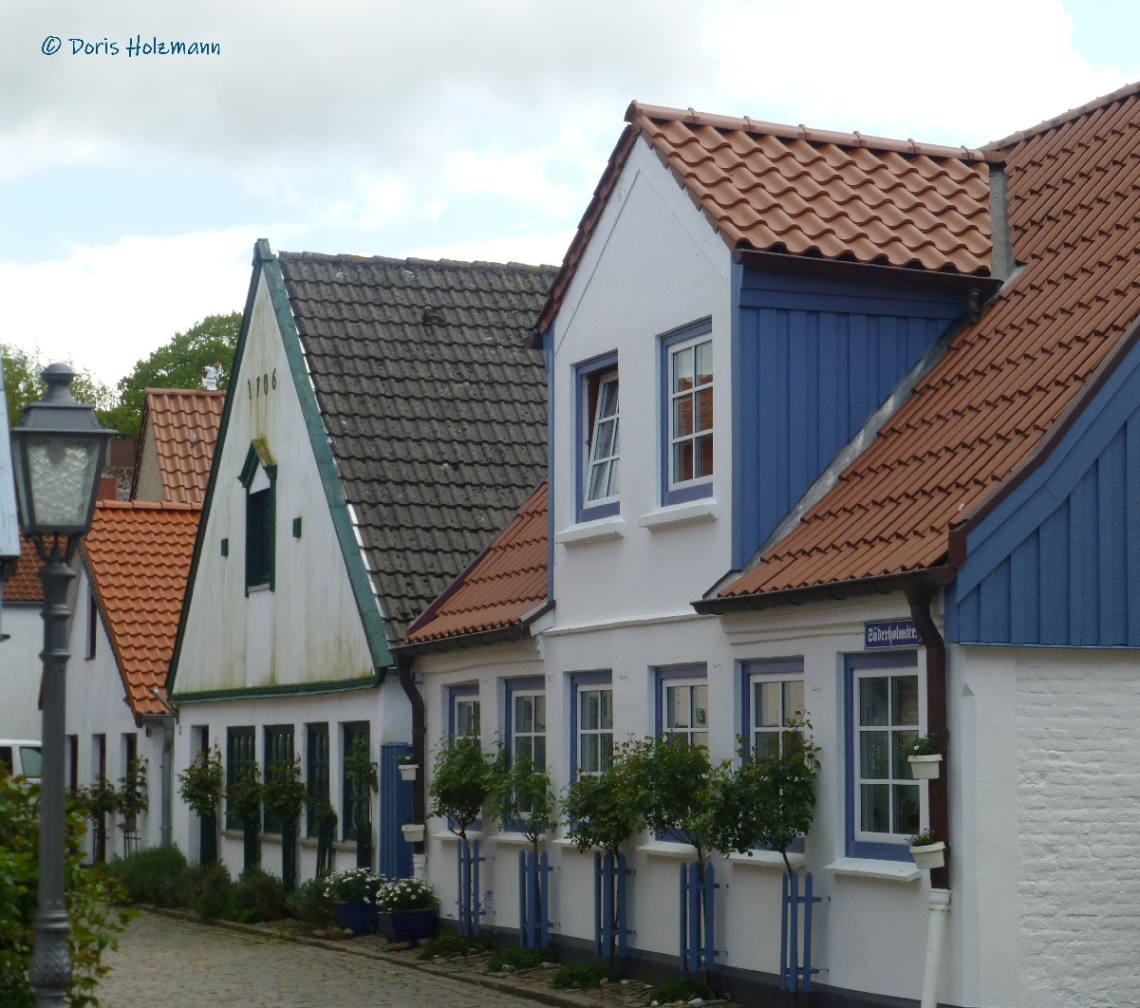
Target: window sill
[
  {"x": 253, "y": 589},
  {"x": 448, "y": 835},
  {"x": 669, "y": 849},
  {"x": 594, "y": 531},
  {"x": 767, "y": 859},
  {"x": 679, "y": 514},
  {"x": 891, "y": 871},
  {"x": 518, "y": 839}
]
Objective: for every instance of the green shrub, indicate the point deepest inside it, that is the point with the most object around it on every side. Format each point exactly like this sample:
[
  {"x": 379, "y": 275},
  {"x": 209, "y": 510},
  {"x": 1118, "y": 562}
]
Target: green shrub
[
  {"x": 258, "y": 896},
  {"x": 513, "y": 959},
  {"x": 448, "y": 945},
  {"x": 146, "y": 875},
  {"x": 308, "y": 903},
  {"x": 681, "y": 989},
  {"x": 580, "y": 977},
  {"x": 215, "y": 893}
]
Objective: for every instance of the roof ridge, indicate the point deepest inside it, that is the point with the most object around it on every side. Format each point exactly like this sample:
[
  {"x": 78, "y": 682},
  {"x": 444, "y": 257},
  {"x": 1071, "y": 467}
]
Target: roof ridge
[
  {"x": 801, "y": 132},
  {"x": 1125, "y": 91},
  {"x": 138, "y": 505},
  {"x": 184, "y": 391},
  {"x": 395, "y": 261}
]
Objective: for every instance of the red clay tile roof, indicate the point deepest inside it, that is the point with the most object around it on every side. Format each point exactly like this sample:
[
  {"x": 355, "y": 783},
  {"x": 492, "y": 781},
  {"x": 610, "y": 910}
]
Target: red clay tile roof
[
  {"x": 185, "y": 424},
  {"x": 775, "y": 188},
  {"x": 501, "y": 587},
  {"x": 138, "y": 555},
  {"x": 24, "y": 585},
  {"x": 1074, "y": 193}
]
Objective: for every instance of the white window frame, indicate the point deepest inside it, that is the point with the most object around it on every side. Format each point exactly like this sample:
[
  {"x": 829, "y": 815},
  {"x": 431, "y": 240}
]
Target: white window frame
[
  {"x": 673, "y": 438},
  {"x": 537, "y": 700},
  {"x": 593, "y": 423},
  {"x": 600, "y": 731},
  {"x": 688, "y": 679},
  {"x": 463, "y": 702},
  {"x": 755, "y": 731}
]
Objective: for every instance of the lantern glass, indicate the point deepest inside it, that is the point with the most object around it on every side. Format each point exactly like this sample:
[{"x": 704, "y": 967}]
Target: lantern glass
[{"x": 62, "y": 473}]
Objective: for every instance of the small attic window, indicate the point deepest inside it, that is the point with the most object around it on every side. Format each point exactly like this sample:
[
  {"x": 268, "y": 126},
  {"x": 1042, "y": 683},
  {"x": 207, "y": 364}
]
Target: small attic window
[{"x": 259, "y": 477}]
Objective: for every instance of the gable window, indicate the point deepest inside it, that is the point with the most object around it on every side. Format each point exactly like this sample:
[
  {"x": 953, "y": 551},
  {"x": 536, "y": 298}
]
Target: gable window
[
  {"x": 885, "y": 712},
  {"x": 259, "y": 477},
  {"x": 687, "y": 405},
  {"x": 773, "y": 695},
  {"x": 592, "y": 730},
  {"x": 683, "y": 704},
  {"x": 240, "y": 755},
  {"x": 316, "y": 773},
  {"x": 599, "y": 451}
]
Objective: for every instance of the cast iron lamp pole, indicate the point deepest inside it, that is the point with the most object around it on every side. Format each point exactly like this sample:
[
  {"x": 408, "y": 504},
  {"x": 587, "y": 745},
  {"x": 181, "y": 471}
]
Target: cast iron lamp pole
[{"x": 57, "y": 455}]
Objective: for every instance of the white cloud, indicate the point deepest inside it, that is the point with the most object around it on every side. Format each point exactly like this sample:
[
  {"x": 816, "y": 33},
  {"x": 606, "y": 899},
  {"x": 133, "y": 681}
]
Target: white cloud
[{"x": 536, "y": 248}]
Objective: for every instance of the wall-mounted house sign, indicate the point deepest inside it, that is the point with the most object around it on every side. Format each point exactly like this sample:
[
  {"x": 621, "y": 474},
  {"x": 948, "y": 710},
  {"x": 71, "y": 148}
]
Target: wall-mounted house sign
[{"x": 890, "y": 633}]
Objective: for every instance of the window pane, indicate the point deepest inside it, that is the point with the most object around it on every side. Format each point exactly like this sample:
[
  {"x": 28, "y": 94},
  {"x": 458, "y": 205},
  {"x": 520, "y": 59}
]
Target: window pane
[
  {"x": 874, "y": 759},
  {"x": 873, "y": 709},
  {"x": 700, "y": 739},
  {"x": 902, "y": 741},
  {"x": 683, "y": 370},
  {"x": 704, "y": 363},
  {"x": 768, "y": 705},
  {"x": 704, "y": 464},
  {"x": 793, "y": 699},
  {"x": 765, "y": 744},
  {"x": 700, "y": 706},
  {"x": 905, "y": 700},
  {"x": 589, "y": 757},
  {"x": 466, "y": 718},
  {"x": 614, "y": 483},
  {"x": 524, "y": 714},
  {"x": 606, "y": 749},
  {"x": 538, "y": 755},
  {"x": 677, "y": 707},
  {"x": 607, "y": 708},
  {"x": 540, "y": 713},
  {"x": 604, "y": 441},
  {"x": 704, "y": 409},
  {"x": 875, "y": 806},
  {"x": 608, "y": 400},
  {"x": 906, "y": 808},
  {"x": 590, "y": 712},
  {"x": 599, "y": 480},
  {"x": 682, "y": 461},
  {"x": 683, "y": 416},
  {"x": 524, "y": 747}
]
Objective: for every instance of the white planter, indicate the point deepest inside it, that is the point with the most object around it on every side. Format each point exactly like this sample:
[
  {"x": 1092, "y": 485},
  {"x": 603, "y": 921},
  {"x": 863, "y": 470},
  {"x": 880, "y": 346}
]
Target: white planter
[
  {"x": 925, "y": 767},
  {"x": 413, "y": 832},
  {"x": 929, "y": 855},
  {"x": 408, "y": 770}
]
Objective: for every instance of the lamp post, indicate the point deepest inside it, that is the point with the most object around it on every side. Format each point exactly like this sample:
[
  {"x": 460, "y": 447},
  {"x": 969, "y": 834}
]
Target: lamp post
[{"x": 57, "y": 455}]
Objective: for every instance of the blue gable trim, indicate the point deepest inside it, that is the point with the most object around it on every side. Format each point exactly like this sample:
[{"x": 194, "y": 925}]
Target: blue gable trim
[
  {"x": 813, "y": 358},
  {"x": 1057, "y": 562}
]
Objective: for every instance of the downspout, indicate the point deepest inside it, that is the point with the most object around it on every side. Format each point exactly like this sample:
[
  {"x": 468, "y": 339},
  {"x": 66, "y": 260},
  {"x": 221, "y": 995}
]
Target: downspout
[
  {"x": 419, "y": 755},
  {"x": 919, "y": 597},
  {"x": 166, "y": 776}
]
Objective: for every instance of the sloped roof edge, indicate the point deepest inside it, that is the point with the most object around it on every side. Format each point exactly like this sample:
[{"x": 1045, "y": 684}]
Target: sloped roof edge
[{"x": 1065, "y": 117}]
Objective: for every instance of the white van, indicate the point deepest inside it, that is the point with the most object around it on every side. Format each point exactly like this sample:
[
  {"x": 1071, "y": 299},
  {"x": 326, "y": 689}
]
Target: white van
[{"x": 20, "y": 757}]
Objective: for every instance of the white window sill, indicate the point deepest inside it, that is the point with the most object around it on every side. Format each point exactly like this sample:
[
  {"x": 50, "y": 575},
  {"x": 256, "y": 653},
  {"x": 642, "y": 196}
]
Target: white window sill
[
  {"x": 254, "y": 589},
  {"x": 448, "y": 835},
  {"x": 593, "y": 531},
  {"x": 891, "y": 871},
  {"x": 679, "y": 514},
  {"x": 767, "y": 859},
  {"x": 517, "y": 839},
  {"x": 567, "y": 844},
  {"x": 669, "y": 849}
]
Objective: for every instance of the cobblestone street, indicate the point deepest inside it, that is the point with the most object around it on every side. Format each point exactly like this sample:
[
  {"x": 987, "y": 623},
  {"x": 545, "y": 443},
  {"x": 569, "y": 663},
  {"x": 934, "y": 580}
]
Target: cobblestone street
[{"x": 169, "y": 963}]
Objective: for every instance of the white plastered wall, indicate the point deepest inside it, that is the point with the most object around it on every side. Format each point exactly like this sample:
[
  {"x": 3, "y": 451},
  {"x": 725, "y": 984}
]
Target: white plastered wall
[{"x": 20, "y": 670}]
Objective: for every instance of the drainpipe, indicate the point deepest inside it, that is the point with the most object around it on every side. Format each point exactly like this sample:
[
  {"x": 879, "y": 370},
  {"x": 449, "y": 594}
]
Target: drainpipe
[
  {"x": 166, "y": 722},
  {"x": 419, "y": 755},
  {"x": 919, "y": 596}
]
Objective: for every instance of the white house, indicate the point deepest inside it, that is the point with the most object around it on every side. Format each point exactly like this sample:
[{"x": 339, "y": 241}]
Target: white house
[
  {"x": 877, "y": 463},
  {"x": 384, "y": 419}
]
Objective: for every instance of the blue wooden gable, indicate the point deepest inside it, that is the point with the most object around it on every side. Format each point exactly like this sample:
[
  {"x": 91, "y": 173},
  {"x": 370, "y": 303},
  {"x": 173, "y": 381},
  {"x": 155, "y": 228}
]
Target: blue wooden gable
[
  {"x": 1057, "y": 562},
  {"x": 814, "y": 356}
]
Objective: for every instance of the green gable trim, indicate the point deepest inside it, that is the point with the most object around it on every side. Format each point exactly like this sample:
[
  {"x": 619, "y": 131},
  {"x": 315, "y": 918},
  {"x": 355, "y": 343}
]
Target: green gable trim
[
  {"x": 318, "y": 439},
  {"x": 258, "y": 455},
  {"x": 265, "y": 692}
]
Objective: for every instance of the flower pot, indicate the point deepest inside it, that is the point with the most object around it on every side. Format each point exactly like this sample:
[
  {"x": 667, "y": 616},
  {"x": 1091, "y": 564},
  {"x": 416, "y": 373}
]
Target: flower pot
[
  {"x": 360, "y": 918},
  {"x": 929, "y": 855},
  {"x": 408, "y": 925},
  {"x": 408, "y": 771},
  {"x": 925, "y": 767},
  {"x": 413, "y": 832}
]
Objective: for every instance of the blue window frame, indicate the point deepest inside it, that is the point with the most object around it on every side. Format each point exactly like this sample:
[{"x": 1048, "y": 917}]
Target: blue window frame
[
  {"x": 463, "y": 711},
  {"x": 597, "y": 446},
  {"x": 687, "y": 413},
  {"x": 884, "y": 704},
  {"x": 591, "y": 723}
]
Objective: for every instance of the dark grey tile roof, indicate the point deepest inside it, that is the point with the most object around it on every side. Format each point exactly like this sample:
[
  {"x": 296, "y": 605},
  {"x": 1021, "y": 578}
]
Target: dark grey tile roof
[{"x": 434, "y": 403}]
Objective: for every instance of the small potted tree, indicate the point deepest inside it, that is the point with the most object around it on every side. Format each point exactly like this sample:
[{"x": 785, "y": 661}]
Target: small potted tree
[
  {"x": 131, "y": 802},
  {"x": 407, "y": 911},
  {"x": 99, "y": 800},
  {"x": 924, "y": 758},
  {"x": 201, "y": 786},
  {"x": 244, "y": 796},
  {"x": 927, "y": 850},
  {"x": 283, "y": 796}
]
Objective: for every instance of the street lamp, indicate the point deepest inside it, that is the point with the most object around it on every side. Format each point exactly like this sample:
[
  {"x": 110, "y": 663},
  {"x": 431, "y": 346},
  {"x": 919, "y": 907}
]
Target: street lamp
[{"x": 57, "y": 455}]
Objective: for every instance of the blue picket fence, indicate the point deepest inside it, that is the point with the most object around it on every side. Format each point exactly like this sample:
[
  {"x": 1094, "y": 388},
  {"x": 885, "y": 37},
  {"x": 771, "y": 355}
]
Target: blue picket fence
[
  {"x": 470, "y": 910},
  {"x": 534, "y": 900},
  {"x": 796, "y": 974},
  {"x": 698, "y": 944},
  {"x": 609, "y": 904}
]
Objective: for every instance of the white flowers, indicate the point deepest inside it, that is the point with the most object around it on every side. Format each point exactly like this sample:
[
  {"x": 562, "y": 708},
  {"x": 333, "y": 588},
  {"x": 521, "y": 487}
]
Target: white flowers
[
  {"x": 353, "y": 885},
  {"x": 406, "y": 894}
]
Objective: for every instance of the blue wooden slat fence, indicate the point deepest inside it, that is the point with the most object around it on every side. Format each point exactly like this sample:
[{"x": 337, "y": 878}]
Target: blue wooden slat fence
[
  {"x": 534, "y": 900},
  {"x": 610, "y": 904},
  {"x": 795, "y": 974},
  {"x": 470, "y": 910},
  {"x": 698, "y": 951}
]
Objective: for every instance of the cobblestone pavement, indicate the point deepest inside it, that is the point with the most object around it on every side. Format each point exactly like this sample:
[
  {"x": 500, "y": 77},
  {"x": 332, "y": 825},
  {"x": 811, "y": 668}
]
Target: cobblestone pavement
[{"x": 171, "y": 963}]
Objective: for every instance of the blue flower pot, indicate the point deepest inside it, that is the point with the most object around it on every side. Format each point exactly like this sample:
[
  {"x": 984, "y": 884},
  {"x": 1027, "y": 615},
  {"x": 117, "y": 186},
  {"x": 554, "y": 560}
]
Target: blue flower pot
[
  {"x": 409, "y": 925},
  {"x": 359, "y": 917}
]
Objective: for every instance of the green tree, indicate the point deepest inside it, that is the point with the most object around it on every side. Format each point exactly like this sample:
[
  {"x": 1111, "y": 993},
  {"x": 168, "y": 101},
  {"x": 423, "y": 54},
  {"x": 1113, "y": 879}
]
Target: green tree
[
  {"x": 460, "y": 784},
  {"x": 177, "y": 364},
  {"x": 22, "y": 385}
]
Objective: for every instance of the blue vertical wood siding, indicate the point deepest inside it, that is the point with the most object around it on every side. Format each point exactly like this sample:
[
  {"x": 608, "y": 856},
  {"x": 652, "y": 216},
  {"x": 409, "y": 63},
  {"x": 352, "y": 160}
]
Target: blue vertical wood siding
[
  {"x": 814, "y": 360},
  {"x": 1057, "y": 563}
]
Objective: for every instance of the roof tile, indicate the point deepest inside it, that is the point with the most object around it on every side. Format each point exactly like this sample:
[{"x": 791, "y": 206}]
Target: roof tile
[
  {"x": 185, "y": 423},
  {"x": 25, "y": 585}
]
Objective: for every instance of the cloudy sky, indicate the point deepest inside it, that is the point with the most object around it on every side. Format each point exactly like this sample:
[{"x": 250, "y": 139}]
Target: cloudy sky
[{"x": 132, "y": 187}]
